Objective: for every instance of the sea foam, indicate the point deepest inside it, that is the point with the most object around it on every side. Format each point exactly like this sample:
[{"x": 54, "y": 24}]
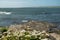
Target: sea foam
[{"x": 5, "y": 12}]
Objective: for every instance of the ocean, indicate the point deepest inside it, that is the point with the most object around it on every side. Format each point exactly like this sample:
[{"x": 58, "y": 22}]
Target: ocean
[{"x": 9, "y": 16}]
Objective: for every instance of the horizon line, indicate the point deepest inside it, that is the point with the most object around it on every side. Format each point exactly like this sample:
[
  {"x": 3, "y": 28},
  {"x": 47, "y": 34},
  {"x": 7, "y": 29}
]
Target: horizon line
[{"x": 33, "y": 7}]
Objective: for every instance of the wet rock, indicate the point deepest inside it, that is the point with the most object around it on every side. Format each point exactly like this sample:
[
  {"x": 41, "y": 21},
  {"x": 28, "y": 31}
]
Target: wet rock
[{"x": 37, "y": 25}]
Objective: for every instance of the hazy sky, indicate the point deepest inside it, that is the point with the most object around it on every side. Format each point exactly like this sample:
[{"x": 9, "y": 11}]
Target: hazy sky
[{"x": 29, "y": 3}]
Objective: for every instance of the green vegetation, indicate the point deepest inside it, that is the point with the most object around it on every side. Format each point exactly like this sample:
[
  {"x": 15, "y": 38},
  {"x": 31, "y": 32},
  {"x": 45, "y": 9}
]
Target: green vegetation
[
  {"x": 32, "y": 30},
  {"x": 23, "y": 35},
  {"x": 3, "y": 29}
]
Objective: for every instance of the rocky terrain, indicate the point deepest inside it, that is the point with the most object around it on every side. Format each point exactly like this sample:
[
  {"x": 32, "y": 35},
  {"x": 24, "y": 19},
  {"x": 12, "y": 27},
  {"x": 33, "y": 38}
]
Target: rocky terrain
[
  {"x": 49, "y": 28},
  {"x": 37, "y": 25}
]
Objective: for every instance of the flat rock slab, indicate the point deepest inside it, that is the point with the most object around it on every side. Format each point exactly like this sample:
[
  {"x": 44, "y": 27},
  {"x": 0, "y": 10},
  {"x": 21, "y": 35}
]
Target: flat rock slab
[{"x": 57, "y": 36}]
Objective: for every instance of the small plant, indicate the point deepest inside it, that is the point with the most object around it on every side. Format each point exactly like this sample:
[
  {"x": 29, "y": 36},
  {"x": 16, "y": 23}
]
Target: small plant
[{"x": 3, "y": 29}]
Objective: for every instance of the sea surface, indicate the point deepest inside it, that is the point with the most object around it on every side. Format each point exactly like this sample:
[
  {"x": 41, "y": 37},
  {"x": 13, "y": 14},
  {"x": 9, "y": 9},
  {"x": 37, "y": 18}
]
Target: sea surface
[{"x": 10, "y": 16}]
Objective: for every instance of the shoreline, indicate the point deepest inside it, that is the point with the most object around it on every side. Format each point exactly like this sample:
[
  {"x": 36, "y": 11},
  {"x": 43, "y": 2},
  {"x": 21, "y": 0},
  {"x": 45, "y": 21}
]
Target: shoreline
[
  {"x": 41, "y": 26},
  {"x": 50, "y": 28}
]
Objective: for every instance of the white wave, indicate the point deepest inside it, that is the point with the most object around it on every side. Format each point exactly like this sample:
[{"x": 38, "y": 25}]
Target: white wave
[
  {"x": 5, "y": 12},
  {"x": 24, "y": 20}
]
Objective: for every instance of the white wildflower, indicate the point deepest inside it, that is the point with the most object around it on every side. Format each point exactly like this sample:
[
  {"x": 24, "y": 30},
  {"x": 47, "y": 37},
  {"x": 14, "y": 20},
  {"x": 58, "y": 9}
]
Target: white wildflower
[
  {"x": 47, "y": 34},
  {"x": 22, "y": 31},
  {"x": 8, "y": 36},
  {"x": 2, "y": 36},
  {"x": 45, "y": 39},
  {"x": 28, "y": 36},
  {"x": 43, "y": 32},
  {"x": 8, "y": 33}
]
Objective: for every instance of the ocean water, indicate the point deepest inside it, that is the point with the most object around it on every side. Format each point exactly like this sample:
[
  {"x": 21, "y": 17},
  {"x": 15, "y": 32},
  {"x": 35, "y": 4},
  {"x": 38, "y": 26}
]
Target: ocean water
[{"x": 10, "y": 16}]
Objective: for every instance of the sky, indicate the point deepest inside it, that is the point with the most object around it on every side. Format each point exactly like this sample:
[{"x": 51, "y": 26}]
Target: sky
[{"x": 28, "y": 3}]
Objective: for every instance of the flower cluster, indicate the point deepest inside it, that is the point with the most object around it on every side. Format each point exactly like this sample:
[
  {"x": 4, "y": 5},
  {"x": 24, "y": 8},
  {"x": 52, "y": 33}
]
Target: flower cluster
[{"x": 25, "y": 35}]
